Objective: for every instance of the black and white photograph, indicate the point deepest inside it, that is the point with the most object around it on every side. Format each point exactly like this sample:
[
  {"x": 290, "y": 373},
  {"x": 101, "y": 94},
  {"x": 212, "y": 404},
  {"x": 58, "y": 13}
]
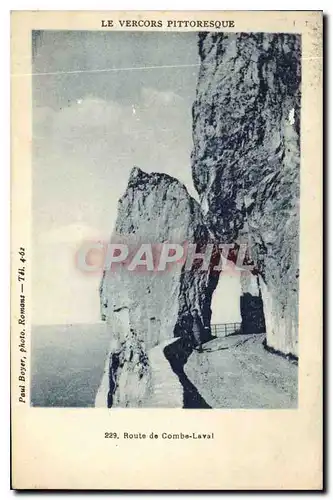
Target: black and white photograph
[
  {"x": 166, "y": 250},
  {"x": 165, "y": 219}
]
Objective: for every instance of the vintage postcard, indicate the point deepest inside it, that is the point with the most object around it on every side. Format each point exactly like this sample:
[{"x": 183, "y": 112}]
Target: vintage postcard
[{"x": 166, "y": 250}]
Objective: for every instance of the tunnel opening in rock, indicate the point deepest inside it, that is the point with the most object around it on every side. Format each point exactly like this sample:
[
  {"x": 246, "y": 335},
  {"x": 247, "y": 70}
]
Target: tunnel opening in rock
[
  {"x": 251, "y": 305},
  {"x": 237, "y": 305},
  {"x": 226, "y": 314}
]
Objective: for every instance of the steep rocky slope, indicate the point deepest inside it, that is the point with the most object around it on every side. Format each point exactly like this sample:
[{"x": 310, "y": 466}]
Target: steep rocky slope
[
  {"x": 245, "y": 160},
  {"x": 245, "y": 166},
  {"x": 145, "y": 308}
]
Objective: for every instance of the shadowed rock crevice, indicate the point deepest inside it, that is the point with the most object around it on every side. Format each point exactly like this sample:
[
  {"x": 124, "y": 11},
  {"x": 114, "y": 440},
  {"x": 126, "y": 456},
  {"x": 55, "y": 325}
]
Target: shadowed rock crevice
[{"x": 177, "y": 354}]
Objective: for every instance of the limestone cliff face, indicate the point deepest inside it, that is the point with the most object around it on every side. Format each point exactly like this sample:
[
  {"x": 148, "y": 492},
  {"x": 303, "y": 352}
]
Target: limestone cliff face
[
  {"x": 245, "y": 167},
  {"x": 245, "y": 160},
  {"x": 146, "y": 308}
]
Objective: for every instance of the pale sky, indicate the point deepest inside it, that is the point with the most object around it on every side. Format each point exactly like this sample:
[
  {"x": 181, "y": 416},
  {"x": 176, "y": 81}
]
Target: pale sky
[{"x": 89, "y": 128}]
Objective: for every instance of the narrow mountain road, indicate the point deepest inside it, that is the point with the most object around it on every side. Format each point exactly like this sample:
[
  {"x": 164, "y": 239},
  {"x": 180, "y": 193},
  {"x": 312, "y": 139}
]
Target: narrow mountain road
[
  {"x": 231, "y": 372},
  {"x": 237, "y": 372},
  {"x": 167, "y": 391},
  {"x": 169, "y": 385}
]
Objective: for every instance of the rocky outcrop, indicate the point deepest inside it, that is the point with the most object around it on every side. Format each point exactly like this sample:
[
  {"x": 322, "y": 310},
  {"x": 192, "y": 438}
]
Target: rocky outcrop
[
  {"x": 145, "y": 308},
  {"x": 245, "y": 161},
  {"x": 245, "y": 166}
]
